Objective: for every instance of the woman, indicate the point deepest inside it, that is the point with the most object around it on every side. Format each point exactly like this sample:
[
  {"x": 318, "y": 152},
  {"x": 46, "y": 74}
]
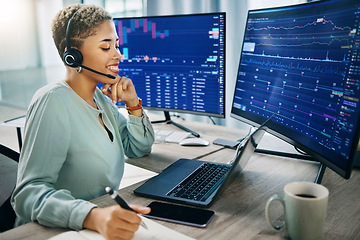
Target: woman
[{"x": 75, "y": 138}]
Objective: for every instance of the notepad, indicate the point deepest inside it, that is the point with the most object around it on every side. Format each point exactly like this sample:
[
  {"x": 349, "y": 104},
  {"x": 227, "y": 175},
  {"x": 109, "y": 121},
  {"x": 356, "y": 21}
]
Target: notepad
[
  {"x": 133, "y": 174},
  {"x": 155, "y": 231}
]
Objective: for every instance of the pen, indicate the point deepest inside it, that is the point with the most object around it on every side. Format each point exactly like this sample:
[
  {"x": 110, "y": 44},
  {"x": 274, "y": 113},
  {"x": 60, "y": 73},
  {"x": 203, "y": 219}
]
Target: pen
[{"x": 114, "y": 195}]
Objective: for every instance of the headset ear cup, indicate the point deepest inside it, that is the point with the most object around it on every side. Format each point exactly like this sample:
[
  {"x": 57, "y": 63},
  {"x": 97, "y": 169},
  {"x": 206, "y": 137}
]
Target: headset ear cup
[{"x": 73, "y": 57}]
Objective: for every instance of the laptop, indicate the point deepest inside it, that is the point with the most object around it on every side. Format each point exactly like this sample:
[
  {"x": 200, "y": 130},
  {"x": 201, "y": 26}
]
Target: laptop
[{"x": 198, "y": 183}]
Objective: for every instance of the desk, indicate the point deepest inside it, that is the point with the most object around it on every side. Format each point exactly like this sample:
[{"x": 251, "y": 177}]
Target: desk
[
  {"x": 19, "y": 123},
  {"x": 240, "y": 208}
]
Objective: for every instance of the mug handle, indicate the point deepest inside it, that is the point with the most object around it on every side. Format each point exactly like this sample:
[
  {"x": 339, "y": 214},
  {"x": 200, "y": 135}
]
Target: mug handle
[{"x": 267, "y": 215}]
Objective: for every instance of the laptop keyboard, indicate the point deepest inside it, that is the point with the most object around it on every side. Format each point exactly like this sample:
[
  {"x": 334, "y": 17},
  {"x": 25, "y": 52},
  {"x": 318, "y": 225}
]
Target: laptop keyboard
[{"x": 201, "y": 183}]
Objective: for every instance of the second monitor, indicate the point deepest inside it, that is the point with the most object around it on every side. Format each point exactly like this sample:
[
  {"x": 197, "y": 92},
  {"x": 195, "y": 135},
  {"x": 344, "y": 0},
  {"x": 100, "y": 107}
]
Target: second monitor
[{"x": 177, "y": 63}]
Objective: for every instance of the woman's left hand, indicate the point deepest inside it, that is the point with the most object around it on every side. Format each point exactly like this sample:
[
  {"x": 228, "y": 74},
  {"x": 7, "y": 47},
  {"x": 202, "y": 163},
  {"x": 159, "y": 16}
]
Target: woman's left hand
[{"x": 122, "y": 90}]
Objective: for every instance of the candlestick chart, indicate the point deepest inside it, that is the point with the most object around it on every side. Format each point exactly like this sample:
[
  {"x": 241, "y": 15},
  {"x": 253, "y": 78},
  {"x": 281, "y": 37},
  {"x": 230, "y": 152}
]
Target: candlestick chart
[{"x": 176, "y": 62}]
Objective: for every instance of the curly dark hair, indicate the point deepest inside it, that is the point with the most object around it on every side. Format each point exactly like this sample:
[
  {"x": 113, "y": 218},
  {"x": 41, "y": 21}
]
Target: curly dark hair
[{"x": 85, "y": 24}]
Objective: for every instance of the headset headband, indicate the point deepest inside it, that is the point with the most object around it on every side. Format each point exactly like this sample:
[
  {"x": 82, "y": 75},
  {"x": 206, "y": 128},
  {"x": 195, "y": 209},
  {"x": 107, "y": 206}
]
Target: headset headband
[{"x": 68, "y": 29}]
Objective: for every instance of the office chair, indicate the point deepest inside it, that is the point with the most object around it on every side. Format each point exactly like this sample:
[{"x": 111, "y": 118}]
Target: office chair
[{"x": 8, "y": 170}]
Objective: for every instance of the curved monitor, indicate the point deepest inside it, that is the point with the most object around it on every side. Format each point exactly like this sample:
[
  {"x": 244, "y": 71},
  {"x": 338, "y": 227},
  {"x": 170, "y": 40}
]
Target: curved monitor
[
  {"x": 177, "y": 63},
  {"x": 303, "y": 62}
]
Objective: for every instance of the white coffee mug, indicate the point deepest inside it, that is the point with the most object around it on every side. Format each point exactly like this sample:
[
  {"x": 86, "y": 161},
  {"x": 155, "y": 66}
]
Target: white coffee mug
[{"x": 305, "y": 206}]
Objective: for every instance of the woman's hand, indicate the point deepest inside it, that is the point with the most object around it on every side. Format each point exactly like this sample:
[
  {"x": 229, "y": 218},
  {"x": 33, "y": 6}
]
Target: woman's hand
[
  {"x": 122, "y": 90},
  {"x": 115, "y": 222}
]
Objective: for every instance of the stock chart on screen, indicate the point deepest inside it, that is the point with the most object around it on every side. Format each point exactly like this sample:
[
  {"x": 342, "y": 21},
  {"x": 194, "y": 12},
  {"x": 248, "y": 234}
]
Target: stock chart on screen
[
  {"x": 176, "y": 62},
  {"x": 303, "y": 63}
]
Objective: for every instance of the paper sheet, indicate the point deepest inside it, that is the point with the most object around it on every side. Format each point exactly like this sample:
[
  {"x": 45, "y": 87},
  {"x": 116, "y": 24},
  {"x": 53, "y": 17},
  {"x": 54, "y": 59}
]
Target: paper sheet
[
  {"x": 155, "y": 231},
  {"x": 133, "y": 174}
]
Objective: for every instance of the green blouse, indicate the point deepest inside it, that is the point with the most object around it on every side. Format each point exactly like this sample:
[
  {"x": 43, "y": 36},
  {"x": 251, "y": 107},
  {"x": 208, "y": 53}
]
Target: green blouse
[{"x": 68, "y": 157}]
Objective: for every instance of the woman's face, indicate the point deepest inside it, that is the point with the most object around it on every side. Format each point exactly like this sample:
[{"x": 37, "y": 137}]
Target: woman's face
[{"x": 101, "y": 53}]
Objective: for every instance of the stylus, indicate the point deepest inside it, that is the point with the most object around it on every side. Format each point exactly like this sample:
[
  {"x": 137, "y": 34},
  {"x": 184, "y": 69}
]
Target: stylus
[{"x": 121, "y": 202}]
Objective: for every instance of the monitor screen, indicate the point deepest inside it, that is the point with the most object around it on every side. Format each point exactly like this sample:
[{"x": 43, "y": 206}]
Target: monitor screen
[
  {"x": 177, "y": 63},
  {"x": 303, "y": 62}
]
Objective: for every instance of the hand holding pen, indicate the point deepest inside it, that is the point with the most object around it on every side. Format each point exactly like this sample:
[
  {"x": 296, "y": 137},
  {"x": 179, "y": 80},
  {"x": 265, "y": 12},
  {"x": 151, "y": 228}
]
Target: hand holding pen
[{"x": 114, "y": 195}]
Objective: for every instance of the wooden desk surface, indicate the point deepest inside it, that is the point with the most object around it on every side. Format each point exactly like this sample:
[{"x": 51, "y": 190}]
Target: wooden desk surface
[{"x": 240, "y": 208}]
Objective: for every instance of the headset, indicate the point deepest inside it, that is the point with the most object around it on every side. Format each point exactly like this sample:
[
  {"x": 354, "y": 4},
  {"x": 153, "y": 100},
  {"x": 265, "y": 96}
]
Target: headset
[{"x": 73, "y": 57}]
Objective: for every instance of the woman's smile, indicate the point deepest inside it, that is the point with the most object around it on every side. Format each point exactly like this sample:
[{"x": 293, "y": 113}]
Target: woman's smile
[{"x": 113, "y": 68}]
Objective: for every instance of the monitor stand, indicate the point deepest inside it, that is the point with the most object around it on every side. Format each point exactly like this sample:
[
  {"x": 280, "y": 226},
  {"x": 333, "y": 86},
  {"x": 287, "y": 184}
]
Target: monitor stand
[
  {"x": 169, "y": 121},
  {"x": 322, "y": 167},
  {"x": 233, "y": 145}
]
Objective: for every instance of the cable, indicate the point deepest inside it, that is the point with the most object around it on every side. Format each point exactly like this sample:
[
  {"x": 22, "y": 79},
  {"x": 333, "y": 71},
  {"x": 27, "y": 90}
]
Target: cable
[
  {"x": 212, "y": 120},
  {"x": 178, "y": 116}
]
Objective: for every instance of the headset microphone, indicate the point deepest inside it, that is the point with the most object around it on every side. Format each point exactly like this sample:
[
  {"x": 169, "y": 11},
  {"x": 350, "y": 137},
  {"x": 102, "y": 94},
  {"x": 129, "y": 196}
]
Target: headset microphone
[
  {"x": 72, "y": 57},
  {"x": 92, "y": 70}
]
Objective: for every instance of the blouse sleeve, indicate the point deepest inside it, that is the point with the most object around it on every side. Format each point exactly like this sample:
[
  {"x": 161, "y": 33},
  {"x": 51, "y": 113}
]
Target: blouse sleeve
[
  {"x": 47, "y": 138},
  {"x": 137, "y": 134}
]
